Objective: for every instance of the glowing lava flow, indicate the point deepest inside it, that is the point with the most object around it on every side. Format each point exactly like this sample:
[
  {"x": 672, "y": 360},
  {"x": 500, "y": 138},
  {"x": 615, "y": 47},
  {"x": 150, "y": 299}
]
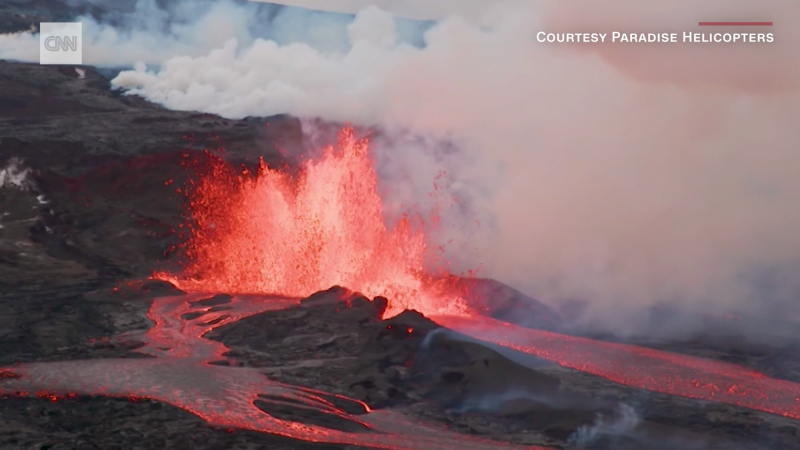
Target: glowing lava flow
[
  {"x": 639, "y": 367},
  {"x": 181, "y": 374},
  {"x": 268, "y": 232}
]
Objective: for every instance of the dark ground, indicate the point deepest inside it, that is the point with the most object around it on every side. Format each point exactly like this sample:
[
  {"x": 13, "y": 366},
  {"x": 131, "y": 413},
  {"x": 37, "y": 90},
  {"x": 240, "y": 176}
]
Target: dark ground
[{"x": 98, "y": 207}]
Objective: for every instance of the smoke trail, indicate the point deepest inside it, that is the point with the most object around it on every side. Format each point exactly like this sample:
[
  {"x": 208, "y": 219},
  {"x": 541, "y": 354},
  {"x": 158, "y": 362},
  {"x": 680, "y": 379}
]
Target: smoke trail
[
  {"x": 15, "y": 175},
  {"x": 626, "y": 420},
  {"x": 627, "y": 175}
]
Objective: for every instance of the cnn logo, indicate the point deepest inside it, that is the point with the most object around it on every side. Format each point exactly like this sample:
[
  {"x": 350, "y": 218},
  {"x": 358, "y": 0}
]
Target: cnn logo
[{"x": 61, "y": 43}]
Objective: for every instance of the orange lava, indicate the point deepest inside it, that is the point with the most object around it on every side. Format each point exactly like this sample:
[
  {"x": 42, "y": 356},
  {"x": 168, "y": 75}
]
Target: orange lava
[
  {"x": 645, "y": 368},
  {"x": 270, "y": 232}
]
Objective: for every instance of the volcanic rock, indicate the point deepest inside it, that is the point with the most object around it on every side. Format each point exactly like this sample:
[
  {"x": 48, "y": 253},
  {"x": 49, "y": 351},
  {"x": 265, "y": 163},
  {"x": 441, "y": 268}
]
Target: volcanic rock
[{"x": 508, "y": 304}]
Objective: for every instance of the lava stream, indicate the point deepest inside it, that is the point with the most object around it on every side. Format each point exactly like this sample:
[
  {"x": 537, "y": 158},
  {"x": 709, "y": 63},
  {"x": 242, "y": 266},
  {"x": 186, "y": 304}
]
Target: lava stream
[
  {"x": 181, "y": 374},
  {"x": 640, "y": 367}
]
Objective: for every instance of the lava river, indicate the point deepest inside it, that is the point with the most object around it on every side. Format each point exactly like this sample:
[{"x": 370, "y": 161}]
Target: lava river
[
  {"x": 182, "y": 374},
  {"x": 288, "y": 237}
]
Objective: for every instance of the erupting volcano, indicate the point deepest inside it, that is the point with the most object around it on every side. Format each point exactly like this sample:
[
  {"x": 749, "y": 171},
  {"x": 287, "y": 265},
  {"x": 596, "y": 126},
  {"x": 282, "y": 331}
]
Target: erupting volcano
[{"x": 271, "y": 233}]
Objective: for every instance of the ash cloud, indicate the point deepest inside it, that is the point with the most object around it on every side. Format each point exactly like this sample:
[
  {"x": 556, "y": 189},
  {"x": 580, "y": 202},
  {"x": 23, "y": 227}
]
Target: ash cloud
[{"x": 628, "y": 176}]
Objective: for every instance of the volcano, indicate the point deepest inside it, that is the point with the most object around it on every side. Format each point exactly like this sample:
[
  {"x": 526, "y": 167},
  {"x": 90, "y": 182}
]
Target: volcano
[{"x": 170, "y": 280}]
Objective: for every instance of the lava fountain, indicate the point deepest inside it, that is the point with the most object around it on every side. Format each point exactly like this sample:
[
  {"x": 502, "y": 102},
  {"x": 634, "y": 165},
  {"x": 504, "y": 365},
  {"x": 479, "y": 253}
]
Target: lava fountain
[{"x": 269, "y": 232}]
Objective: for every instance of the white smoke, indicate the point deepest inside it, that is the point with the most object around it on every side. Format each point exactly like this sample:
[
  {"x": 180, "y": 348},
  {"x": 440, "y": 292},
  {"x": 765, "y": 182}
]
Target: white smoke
[
  {"x": 628, "y": 175},
  {"x": 477, "y": 11},
  {"x": 15, "y": 175},
  {"x": 623, "y": 422},
  {"x": 152, "y": 32}
]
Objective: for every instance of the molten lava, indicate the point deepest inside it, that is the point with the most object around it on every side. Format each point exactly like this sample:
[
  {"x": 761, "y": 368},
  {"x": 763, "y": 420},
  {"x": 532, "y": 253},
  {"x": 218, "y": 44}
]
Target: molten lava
[
  {"x": 269, "y": 232},
  {"x": 181, "y": 373},
  {"x": 644, "y": 368}
]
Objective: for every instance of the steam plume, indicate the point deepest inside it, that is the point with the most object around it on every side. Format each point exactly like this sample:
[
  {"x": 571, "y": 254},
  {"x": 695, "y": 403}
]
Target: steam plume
[
  {"x": 15, "y": 175},
  {"x": 626, "y": 420},
  {"x": 628, "y": 175}
]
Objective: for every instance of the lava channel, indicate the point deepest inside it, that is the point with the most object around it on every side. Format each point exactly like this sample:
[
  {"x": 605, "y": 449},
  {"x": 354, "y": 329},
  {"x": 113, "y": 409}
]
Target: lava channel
[
  {"x": 640, "y": 367},
  {"x": 181, "y": 373}
]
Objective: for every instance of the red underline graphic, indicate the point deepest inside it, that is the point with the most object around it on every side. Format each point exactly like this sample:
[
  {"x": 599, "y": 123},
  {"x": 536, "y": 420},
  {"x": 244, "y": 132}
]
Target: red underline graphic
[{"x": 735, "y": 24}]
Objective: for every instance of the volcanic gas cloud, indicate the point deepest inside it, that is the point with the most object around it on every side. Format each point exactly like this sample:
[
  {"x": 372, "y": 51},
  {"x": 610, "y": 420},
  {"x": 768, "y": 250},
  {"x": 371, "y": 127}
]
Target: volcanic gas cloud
[{"x": 270, "y": 232}]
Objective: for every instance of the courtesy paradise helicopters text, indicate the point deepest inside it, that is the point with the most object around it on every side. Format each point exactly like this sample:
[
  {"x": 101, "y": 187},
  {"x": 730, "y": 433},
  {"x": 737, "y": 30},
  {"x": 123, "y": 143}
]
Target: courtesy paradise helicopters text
[{"x": 686, "y": 36}]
